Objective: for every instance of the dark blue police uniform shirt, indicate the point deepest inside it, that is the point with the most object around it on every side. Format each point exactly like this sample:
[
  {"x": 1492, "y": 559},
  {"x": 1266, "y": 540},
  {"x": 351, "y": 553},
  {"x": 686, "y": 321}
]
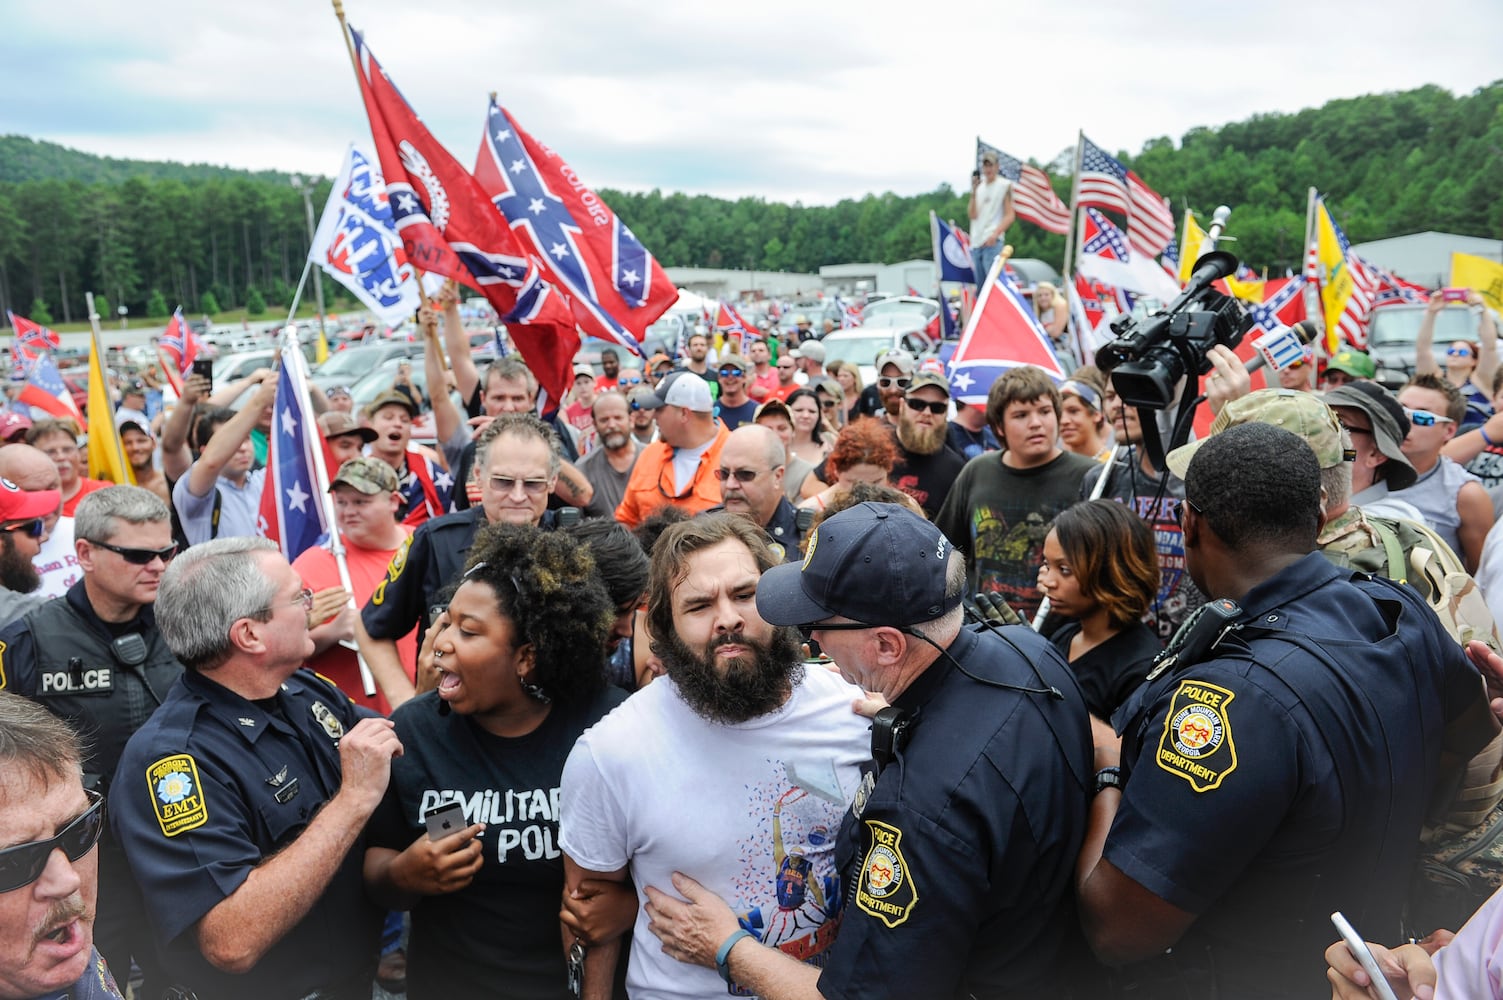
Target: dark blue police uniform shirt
[
  {"x": 964, "y": 852},
  {"x": 210, "y": 788},
  {"x": 431, "y": 557},
  {"x": 1264, "y": 792}
]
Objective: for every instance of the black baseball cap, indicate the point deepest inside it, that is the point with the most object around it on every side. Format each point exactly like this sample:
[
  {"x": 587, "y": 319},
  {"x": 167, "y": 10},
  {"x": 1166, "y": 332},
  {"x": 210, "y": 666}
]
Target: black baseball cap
[{"x": 875, "y": 563}]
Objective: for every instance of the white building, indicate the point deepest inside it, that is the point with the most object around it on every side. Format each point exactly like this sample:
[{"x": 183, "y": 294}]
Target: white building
[{"x": 1426, "y": 257}]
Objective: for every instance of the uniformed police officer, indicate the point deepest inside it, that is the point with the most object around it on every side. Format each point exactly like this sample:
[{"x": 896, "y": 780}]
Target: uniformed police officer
[
  {"x": 94, "y": 657},
  {"x": 240, "y": 804},
  {"x": 1278, "y": 764},
  {"x": 517, "y": 457},
  {"x": 960, "y": 854},
  {"x": 752, "y": 464}
]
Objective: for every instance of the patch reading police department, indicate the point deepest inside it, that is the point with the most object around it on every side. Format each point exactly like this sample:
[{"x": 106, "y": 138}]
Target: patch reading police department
[
  {"x": 1197, "y": 743},
  {"x": 176, "y": 794},
  {"x": 393, "y": 570},
  {"x": 886, "y": 888}
]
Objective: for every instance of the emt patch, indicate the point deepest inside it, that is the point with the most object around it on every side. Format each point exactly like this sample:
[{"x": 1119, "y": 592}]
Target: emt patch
[
  {"x": 885, "y": 889},
  {"x": 1197, "y": 742},
  {"x": 176, "y": 794}
]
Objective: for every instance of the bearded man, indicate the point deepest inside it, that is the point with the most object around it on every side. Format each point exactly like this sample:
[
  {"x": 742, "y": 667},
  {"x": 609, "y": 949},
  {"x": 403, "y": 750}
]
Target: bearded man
[
  {"x": 768, "y": 753},
  {"x": 927, "y": 466}
]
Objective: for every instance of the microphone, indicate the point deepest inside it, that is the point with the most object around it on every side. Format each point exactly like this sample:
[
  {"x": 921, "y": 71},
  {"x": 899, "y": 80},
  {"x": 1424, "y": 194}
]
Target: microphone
[{"x": 1282, "y": 346}]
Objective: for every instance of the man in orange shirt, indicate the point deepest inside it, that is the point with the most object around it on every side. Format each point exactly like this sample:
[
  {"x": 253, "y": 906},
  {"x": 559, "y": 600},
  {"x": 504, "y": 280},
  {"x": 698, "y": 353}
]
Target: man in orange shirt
[{"x": 679, "y": 468}]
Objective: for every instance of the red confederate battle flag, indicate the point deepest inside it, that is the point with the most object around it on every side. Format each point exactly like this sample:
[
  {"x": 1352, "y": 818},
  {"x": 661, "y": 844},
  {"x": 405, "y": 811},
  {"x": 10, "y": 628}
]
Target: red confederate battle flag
[{"x": 448, "y": 226}]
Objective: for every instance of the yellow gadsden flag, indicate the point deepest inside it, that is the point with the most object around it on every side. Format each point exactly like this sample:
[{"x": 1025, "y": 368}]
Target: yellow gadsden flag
[
  {"x": 106, "y": 456},
  {"x": 1337, "y": 284},
  {"x": 1486, "y": 276},
  {"x": 1189, "y": 247}
]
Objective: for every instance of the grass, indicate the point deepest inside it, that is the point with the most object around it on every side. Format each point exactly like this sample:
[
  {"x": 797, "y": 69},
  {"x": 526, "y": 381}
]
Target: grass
[{"x": 232, "y": 317}]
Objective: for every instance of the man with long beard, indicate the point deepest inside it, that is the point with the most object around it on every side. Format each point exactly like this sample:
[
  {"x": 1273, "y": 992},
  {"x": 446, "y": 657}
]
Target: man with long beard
[
  {"x": 735, "y": 768},
  {"x": 926, "y": 467}
]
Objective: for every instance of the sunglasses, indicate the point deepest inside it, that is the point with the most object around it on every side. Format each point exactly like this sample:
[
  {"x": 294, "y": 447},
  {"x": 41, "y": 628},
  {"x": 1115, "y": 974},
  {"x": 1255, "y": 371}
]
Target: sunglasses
[
  {"x": 630, "y": 381},
  {"x": 1458, "y": 352},
  {"x": 1295, "y": 366},
  {"x": 808, "y": 630},
  {"x": 23, "y": 864},
  {"x": 1424, "y": 418},
  {"x": 31, "y": 529},
  {"x": 304, "y": 597},
  {"x": 887, "y": 383},
  {"x": 732, "y": 372},
  {"x": 919, "y": 406},
  {"x": 532, "y": 487},
  {"x": 138, "y": 557},
  {"x": 740, "y": 475}
]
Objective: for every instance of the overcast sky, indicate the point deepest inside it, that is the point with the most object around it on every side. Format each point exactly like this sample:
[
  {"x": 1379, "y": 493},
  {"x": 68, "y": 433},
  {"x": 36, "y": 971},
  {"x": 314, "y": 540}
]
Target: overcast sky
[{"x": 814, "y": 100}]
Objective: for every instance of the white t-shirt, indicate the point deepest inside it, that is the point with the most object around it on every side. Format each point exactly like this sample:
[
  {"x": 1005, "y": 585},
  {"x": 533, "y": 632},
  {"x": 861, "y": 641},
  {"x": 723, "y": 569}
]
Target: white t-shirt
[
  {"x": 685, "y": 462},
  {"x": 57, "y": 563},
  {"x": 989, "y": 198},
  {"x": 657, "y": 786}
]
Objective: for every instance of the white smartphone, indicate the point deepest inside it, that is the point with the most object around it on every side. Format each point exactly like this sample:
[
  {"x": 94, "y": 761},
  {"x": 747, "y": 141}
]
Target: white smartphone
[
  {"x": 445, "y": 820},
  {"x": 1364, "y": 956}
]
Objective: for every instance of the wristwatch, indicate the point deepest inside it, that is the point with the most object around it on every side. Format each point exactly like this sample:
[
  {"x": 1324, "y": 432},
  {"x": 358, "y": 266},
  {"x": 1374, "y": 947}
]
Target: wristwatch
[{"x": 1108, "y": 777}]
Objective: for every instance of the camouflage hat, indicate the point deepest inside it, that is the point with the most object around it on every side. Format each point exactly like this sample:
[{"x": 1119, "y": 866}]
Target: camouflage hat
[
  {"x": 367, "y": 475},
  {"x": 1300, "y": 413},
  {"x": 1355, "y": 363},
  {"x": 925, "y": 378}
]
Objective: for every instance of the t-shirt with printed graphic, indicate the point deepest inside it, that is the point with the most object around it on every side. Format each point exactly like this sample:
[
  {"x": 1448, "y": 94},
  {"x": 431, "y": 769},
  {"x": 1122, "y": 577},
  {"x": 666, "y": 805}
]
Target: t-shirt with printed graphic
[
  {"x": 1132, "y": 485},
  {"x": 500, "y": 933},
  {"x": 998, "y": 517}
]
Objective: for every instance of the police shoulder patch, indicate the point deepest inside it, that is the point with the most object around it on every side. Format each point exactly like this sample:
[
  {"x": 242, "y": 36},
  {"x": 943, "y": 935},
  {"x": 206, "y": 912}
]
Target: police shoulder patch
[
  {"x": 1197, "y": 742},
  {"x": 885, "y": 886},
  {"x": 176, "y": 794},
  {"x": 393, "y": 570},
  {"x": 2, "y": 667}
]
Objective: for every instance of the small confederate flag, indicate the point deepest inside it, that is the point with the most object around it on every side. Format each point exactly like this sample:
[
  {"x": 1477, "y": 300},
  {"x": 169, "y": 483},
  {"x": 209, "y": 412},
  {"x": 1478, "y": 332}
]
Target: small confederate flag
[
  {"x": 1002, "y": 333},
  {"x": 292, "y": 510},
  {"x": 176, "y": 350}
]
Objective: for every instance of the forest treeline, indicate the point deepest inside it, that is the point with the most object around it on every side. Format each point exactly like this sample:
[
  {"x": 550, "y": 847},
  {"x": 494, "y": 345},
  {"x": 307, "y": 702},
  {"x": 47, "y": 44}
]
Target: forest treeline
[{"x": 152, "y": 235}]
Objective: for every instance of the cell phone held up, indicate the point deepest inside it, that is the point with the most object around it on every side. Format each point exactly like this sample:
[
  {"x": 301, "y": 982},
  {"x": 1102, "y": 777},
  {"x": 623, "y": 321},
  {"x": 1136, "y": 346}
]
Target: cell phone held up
[
  {"x": 205, "y": 367},
  {"x": 445, "y": 820},
  {"x": 1455, "y": 295}
]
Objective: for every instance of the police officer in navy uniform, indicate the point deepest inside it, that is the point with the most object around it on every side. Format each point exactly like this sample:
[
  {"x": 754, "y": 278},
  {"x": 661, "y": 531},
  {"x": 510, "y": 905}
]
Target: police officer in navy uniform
[
  {"x": 1279, "y": 762},
  {"x": 752, "y": 464},
  {"x": 959, "y": 852},
  {"x": 240, "y": 804},
  {"x": 94, "y": 657},
  {"x": 517, "y": 458}
]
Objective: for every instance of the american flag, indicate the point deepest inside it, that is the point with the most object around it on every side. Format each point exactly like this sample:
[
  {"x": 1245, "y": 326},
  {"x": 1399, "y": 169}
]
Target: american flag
[
  {"x": 292, "y": 510},
  {"x": 1106, "y": 183},
  {"x": 1033, "y": 197},
  {"x": 1347, "y": 282}
]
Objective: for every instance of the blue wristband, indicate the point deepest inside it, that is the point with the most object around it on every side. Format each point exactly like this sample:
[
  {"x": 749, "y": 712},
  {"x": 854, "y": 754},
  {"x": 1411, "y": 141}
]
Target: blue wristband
[
  {"x": 1485, "y": 439},
  {"x": 723, "y": 953}
]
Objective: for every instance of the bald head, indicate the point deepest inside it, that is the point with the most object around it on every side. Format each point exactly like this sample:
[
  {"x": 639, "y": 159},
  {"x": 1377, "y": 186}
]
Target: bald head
[
  {"x": 755, "y": 451},
  {"x": 28, "y": 467},
  {"x": 750, "y": 440}
]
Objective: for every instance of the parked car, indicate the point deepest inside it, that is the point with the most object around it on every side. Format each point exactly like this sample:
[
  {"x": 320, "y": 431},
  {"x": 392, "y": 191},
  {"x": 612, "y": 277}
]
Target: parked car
[
  {"x": 1393, "y": 333},
  {"x": 861, "y": 345},
  {"x": 900, "y": 310},
  {"x": 351, "y": 364},
  {"x": 365, "y": 390}
]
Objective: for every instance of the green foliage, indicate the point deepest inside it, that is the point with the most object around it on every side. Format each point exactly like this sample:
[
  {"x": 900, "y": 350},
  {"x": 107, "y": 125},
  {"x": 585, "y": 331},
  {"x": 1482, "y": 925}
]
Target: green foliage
[
  {"x": 39, "y": 313},
  {"x": 255, "y": 305},
  {"x": 156, "y": 306},
  {"x": 208, "y": 303},
  {"x": 102, "y": 306}
]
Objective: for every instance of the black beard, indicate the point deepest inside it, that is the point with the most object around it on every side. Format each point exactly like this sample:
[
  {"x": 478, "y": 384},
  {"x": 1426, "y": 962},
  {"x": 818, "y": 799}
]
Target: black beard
[
  {"x": 752, "y": 685},
  {"x": 17, "y": 574}
]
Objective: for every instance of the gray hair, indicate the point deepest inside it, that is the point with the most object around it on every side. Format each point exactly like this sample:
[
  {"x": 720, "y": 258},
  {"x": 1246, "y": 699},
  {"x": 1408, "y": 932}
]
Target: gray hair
[
  {"x": 207, "y": 589},
  {"x": 520, "y": 425},
  {"x": 37, "y": 742},
  {"x": 1336, "y": 482},
  {"x": 947, "y": 625},
  {"x": 512, "y": 369},
  {"x": 95, "y": 517}
]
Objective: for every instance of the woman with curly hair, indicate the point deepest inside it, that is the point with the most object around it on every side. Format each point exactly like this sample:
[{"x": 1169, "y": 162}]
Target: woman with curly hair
[
  {"x": 864, "y": 453},
  {"x": 520, "y": 658},
  {"x": 1101, "y": 569}
]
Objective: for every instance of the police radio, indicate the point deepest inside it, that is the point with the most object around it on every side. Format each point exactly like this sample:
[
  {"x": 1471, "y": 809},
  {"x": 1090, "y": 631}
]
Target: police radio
[{"x": 889, "y": 734}]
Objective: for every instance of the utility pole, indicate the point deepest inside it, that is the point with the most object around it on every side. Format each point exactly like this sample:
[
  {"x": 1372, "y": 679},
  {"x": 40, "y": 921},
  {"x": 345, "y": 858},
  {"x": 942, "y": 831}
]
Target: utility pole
[{"x": 306, "y": 190}]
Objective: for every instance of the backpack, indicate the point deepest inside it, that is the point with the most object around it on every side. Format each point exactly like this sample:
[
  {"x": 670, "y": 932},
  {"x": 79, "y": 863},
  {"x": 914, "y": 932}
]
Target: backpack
[{"x": 1437, "y": 573}]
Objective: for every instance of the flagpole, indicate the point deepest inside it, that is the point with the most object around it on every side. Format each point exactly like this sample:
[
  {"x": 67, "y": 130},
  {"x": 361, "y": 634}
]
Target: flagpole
[
  {"x": 297, "y": 296},
  {"x": 1100, "y": 487},
  {"x": 1313, "y": 305},
  {"x": 116, "y": 446},
  {"x": 1068, "y": 270},
  {"x": 291, "y": 346}
]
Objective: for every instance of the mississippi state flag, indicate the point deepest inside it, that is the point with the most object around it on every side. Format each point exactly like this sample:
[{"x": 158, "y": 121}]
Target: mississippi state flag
[
  {"x": 176, "y": 350},
  {"x": 292, "y": 510},
  {"x": 1002, "y": 333}
]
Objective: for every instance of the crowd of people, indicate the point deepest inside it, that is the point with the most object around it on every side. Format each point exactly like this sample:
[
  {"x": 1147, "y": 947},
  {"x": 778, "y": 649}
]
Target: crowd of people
[{"x": 736, "y": 674}]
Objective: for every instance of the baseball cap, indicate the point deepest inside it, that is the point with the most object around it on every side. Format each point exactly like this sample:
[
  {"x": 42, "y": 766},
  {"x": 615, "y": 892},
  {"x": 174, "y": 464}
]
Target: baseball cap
[
  {"x": 924, "y": 378},
  {"x": 337, "y": 423},
  {"x": 134, "y": 387},
  {"x": 988, "y": 157},
  {"x": 679, "y": 388},
  {"x": 17, "y": 504},
  {"x": 877, "y": 563},
  {"x": 813, "y": 351},
  {"x": 1390, "y": 425},
  {"x": 124, "y": 420},
  {"x": 775, "y": 407},
  {"x": 584, "y": 370},
  {"x": 392, "y": 397},
  {"x": 897, "y": 356},
  {"x": 1355, "y": 363},
  {"x": 12, "y": 424},
  {"x": 368, "y": 475},
  {"x": 659, "y": 359},
  {"x": 1301, "y": 413}
]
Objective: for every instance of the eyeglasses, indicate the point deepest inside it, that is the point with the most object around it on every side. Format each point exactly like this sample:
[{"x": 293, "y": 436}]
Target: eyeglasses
[
  {"x": 1295, "y": 366},
  {"x": 1458, "y": 352},
  {"x": 1424, "y": 418},
  {"x": 505, "y": 485},
  {"x": 629, "y": 381},
  {"x": 885, "y": 382},
  {"x": 304, "y": 597},
  {"x": 740, "y": 475},
  {"x": 23, "y": 864},
  {"x": 828, "y": 404},
  {"x": 732, "y": 372},
  {"x": 338, "y": 390},
  {"x": 938, "y": 408},
  {"x": 31, "y": 529},
  {"x": 138, "y": 557}
]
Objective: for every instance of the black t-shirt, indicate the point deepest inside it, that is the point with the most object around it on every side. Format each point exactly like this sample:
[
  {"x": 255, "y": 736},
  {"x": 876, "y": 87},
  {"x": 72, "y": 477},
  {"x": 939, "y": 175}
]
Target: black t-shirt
[
  {"x": 1113, "y": 670},
  {"x": 869, "y": 403},
  {"x": 926, "y": 478},
  {"x": 735, "y": 416},
  {"x": 499, "y": 935}
]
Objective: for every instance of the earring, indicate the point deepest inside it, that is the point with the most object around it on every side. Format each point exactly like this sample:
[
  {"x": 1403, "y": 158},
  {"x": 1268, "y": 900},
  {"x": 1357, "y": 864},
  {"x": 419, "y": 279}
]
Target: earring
[{"x": 535, "y": 691}]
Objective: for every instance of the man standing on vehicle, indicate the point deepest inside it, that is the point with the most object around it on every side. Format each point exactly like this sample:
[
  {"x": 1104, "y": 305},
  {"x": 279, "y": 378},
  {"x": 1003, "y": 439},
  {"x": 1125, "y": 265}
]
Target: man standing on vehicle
[{"x": 991, "y": 213}]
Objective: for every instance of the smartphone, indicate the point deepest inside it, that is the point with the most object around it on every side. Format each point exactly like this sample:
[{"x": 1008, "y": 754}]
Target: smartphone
[
  {"x": 1364, "y": 956},
  {"x": 1454, "y": 294},
  {"x": 445, "y": 820},
  {"x": 205, "y": 367}
]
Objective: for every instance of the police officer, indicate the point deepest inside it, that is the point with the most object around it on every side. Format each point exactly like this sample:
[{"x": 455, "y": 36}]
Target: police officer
[
  {"x": 958, "y": 854},
  {"x": 752, "y": 464},
  {"x": 94, "y": 657},
  {"x": 518, "y": 458},
  {"x": 240, "y": 804},
  {"x": 1281, "y": 758}
]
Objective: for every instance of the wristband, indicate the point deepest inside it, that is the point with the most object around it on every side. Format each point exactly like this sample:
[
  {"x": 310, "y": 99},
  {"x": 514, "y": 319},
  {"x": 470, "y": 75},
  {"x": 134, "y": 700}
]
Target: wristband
[
  {"x": 723, "y": 953},
  {"x": 1108, "y": 777},
  {"x": 1485, "y": 439}
]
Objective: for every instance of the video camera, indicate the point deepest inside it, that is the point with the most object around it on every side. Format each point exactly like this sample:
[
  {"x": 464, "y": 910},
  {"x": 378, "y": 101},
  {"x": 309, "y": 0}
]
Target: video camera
[{"x": 1148, "y": 360}]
